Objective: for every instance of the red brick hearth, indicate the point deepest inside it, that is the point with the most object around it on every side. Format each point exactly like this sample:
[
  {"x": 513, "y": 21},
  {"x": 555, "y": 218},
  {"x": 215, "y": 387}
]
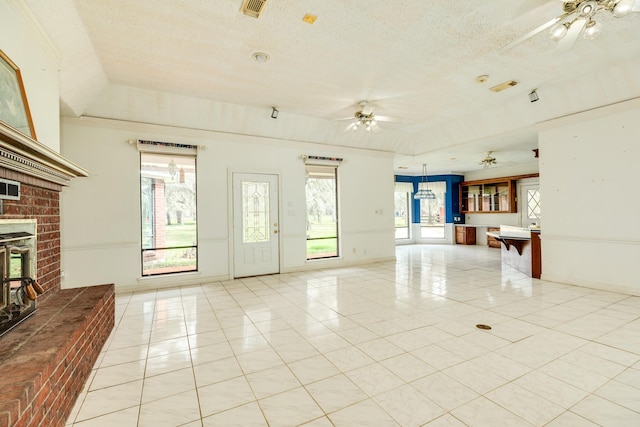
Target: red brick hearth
[{"x": 46, "y": 359}]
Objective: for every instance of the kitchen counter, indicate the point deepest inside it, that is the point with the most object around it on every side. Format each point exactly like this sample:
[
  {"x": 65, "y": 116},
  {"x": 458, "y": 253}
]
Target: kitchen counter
[{"x": 521, "y": 250}]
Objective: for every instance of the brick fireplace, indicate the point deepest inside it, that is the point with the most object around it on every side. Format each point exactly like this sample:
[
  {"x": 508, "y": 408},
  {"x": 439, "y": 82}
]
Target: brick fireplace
[
  {"x": 18, "y": 288},
  {"x": 47, "y": 358}
]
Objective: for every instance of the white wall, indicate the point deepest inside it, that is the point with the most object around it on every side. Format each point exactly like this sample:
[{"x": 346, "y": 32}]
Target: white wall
[
  {"x": 100, "y": 214},
  {"x": 588, "y": 181},
  {"x": 33, "y": 54}
]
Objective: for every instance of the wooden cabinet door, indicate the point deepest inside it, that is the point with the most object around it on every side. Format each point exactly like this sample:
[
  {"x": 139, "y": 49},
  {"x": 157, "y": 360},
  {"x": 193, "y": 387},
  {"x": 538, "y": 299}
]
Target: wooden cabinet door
[
  {"x": 469, "y": 235},
  {"x": 465, "y": 235}
]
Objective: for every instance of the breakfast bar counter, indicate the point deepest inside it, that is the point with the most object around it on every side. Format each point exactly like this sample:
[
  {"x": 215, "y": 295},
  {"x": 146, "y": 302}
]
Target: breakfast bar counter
[{"x": 521, "y": 249}]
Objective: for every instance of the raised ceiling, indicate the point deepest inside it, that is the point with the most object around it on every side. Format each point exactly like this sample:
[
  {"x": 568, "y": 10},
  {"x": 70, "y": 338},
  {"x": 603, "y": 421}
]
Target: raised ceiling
[{"x": 414, "y": 60}]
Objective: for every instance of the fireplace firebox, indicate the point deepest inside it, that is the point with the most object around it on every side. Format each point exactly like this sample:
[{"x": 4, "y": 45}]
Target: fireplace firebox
[{"x": 19, "y": 288}]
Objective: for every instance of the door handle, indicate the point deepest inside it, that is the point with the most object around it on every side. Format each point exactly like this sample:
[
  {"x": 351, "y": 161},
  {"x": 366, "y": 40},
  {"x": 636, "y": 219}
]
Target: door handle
[{"x": 275, "y": 231}]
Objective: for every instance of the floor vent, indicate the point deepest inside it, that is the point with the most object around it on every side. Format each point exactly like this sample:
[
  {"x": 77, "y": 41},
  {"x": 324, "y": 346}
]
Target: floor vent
[
  {"x": 485, "y": 327},
  {"x": 253, "y": 8}
]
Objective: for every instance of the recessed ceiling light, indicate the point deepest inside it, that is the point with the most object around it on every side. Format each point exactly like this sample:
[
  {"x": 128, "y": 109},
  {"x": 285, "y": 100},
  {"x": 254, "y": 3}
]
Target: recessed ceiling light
[
  {"x": 403, "y": 167},
  {"x": 482, "y": 78},
  {"x": 453, "y": 158},
  {"x": 261, "y": 57}
]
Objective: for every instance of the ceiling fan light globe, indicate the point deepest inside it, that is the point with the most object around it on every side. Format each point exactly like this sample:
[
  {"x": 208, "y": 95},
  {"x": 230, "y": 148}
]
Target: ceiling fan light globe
[
  {"x": 559, "y": 30},
  {"x": 623, "y": 8},
  {"x": 587, "y": 9},
  {"x": 592, "y": 30}
]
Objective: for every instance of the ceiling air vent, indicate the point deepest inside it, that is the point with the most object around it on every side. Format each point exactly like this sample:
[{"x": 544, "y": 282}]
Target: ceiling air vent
[
  {"x": 504, "y": 85},
  {"x": 253, "y": 8}
]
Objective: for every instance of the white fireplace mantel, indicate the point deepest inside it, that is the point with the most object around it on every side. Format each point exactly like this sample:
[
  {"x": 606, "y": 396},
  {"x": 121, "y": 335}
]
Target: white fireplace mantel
[{"x": 21, "y": 153}]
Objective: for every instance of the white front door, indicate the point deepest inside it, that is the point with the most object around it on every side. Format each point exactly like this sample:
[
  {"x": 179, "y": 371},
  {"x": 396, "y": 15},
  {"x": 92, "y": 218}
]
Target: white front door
[{"x": 255, "y": 225}]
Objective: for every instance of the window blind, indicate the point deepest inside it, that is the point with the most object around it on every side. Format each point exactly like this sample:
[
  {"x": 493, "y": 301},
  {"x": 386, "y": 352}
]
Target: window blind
[
  {"x": 322, "y": 161},
  {"x": 166, "y": 148},
  {"x": 403, "y": 187}
]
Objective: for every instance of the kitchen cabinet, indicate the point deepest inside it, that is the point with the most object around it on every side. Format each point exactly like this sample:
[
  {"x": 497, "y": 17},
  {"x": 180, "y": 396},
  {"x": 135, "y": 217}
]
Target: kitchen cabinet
[
  {"x": 488, "y": 196},
  {"x": 465, "y": 235}
]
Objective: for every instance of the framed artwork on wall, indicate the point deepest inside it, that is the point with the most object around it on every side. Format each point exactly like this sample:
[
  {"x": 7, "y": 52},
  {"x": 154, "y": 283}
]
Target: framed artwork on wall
[{"x": 14, "y": 108}]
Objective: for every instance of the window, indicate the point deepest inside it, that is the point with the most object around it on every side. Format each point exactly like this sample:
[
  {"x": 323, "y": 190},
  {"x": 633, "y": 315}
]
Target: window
[
  {"x": 432, "y": 212},
  {"x": 402, "y": 209},
  {"x": 322, "y": 211},
  {"x": 168, "y": 213},
  {"x": 533, "y": 204},
  {"x": 255, "y": 208}
]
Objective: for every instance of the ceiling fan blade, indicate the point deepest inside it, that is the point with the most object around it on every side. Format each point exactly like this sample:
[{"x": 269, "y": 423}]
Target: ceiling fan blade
[
  {"x": 535, "y": 31},
  {"x": 388, "y": 119},
  {"x": 572, "y": 35}
]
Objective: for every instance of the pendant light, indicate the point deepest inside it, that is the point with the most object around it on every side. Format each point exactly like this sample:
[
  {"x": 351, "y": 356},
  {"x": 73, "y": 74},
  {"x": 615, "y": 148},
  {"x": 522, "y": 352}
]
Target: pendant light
[
  {"x": 424, "y": 192},
  {"x": 173, "y": 168}
]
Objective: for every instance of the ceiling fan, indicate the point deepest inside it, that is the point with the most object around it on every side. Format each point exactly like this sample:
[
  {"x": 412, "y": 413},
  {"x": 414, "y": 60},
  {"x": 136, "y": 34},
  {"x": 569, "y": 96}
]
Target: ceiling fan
[
  {"x": 488, "y": 160},
  {"x": 578, "y": 18},
  {"x": 364, "y": 117}
]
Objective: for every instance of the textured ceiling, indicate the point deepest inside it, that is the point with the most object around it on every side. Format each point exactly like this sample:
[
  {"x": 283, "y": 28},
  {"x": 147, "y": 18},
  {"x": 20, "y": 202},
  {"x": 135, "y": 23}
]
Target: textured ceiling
[{"x": 415, "y": 60}]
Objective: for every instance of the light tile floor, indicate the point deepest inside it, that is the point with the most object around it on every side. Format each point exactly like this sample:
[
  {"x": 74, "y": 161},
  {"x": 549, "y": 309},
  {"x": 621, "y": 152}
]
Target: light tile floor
[{"x": 385, "y": 344}]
